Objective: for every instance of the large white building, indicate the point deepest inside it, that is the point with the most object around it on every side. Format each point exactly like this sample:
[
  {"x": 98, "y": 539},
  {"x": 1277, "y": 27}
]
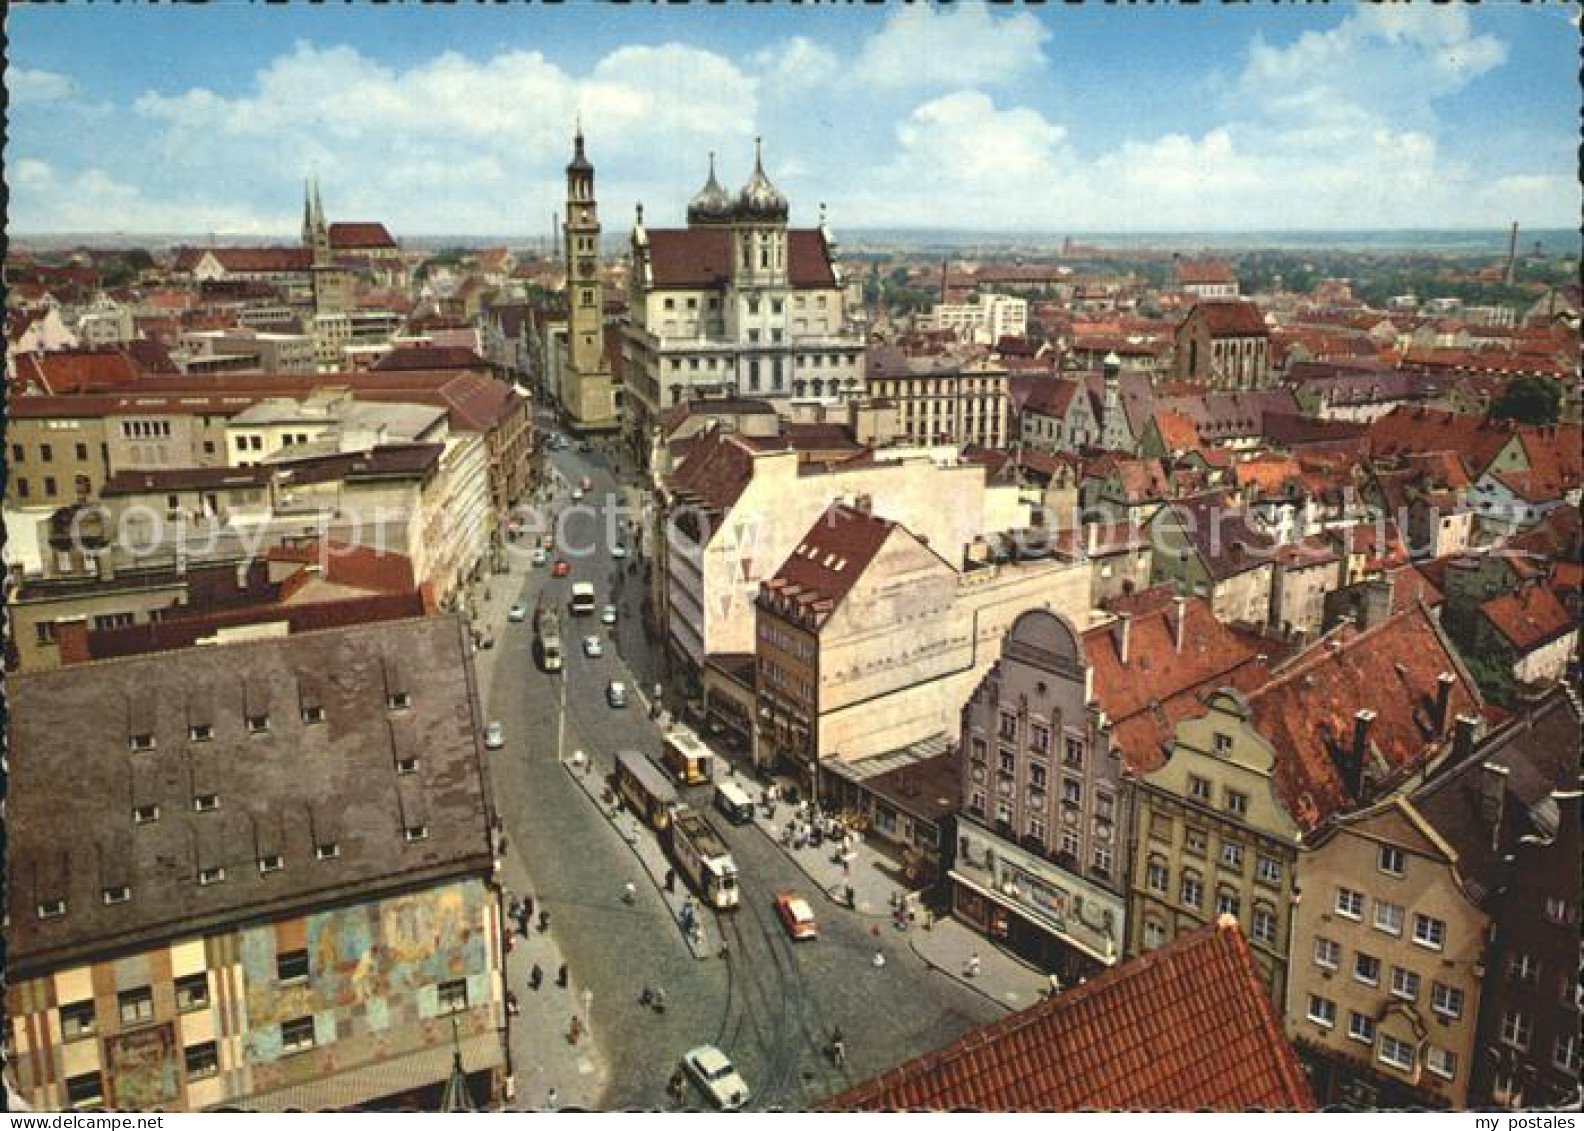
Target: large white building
[
  {"x": 986, "y": 320},
  {"x": 736, "y": 304}
]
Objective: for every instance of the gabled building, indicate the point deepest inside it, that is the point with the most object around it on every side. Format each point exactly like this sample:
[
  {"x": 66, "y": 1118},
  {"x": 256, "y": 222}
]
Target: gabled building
[
  {"x": 1207, "y": 547},
  {"x": 1223, "y": 345}
]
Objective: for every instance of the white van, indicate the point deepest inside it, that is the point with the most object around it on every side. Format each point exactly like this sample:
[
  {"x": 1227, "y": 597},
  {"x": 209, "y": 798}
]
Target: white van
[{"x": 733, "y": 802}]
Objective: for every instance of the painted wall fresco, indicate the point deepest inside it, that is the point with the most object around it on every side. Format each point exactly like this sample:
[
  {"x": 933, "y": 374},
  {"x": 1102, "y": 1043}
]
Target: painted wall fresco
[{"x": 143, "y": 1065}]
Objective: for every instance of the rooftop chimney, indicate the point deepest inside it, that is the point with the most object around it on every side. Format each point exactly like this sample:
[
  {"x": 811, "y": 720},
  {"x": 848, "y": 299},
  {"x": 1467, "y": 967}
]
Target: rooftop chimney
[
  {"x": 1492, "y": 789},
  {"x": 1179, "y": 620},
  {"x": 1362, "y": 719},
  {"x": 1445, "y": 682},
  {"x": 1465, "y": 731},
  {"x": 1124, "y": 625}
]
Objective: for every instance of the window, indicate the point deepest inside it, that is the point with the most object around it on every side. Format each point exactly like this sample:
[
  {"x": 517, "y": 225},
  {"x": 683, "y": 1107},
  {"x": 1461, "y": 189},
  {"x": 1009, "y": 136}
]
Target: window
[
  {"x": 200, "y": 732},
  {"x": 1194, "y": 842},
  {"x": 82, "y": 451},
  {"x": 1361, "y": 1028},
  {"x": 1446, "y": 1000},
  {"x": 1008, "y": 725},
  {"x": 1198, "y": 788},
  {"x": 270, "y": 863},
  {"x": 1223, "y": 744},
  {"x": 52, "y": 909},
  {"x": 1350, "y": 903},
  {"x": 1440, "y": 1061},
  {"x": 1404, "y": 983},
  {"x": 1565, "y": 1053},
  {"x": 117, "y": 894},
  {"x": 207, "y": 876},
  {"x": 1039, "y": 738},
  {"x": 1036, "y": 827},
  {"x": 192, "y": 992},
  {"x": 77, "y": 1020},
  {"x": 978, "y": 749},
  {"x": 22, "y": 488},
  {"x": 327, "y": 850},
  {"x": 1227, "y": 902},
  {"x": 1558, "y": 910},
  {"x": 1036, "y": 775},
  {"x": 297, "y": 1034},
  {"x": 46, "y": 453},
  {"x": 453, "y": 996},
  {"x": 257, "y": 724},
  {"x": 416, "y": 832},
  {"x": 1192, "y": 891},
  {"x": 1232, "y": 855},
  {"x": 1388, "y": 917},
  {"x": 1366, "y": 969},
  {"x": 137, "y": 1006},
  {"x": 1157, "y": 875},
  {"x": 1236, "y": 803},
  {"x": 1517, "y": 1030},
  {"x": 141, "y": 742},
  {"x": 1069, "y": 844},
  {"x": 1073, "y": 753},
  {"x": 1267, "y": 870},
  {"x": 291, "y": 965},
  {"x": 1154, "y": 935},
  {"x": 1008, "y": 762},
  {"x": 49, "y": 484},
  {"x": 1105, "y": 805},
  {"x": 399, "y": 701},
  {"x": 1327, "y": 953},
  {"x": 1072, "y": 792},
  {"x": 202, "y": 1060},
  {"x": 16, "y": 453},
  {"x": 1102, "y": 861},
  {"x": 1390, "y": 860},
  {"x": 311, "y": 715},
  {"x": 1522, "y": 968},
  {"x": 406, "y": 765},
  {"x": 1429, "y": 932},
  {"x": 86, "y": 1090},
  {"x": 1398, "y": 1054},
  {"x": 206, "y": 802},
  {"x": 1322, "y": 1010}
]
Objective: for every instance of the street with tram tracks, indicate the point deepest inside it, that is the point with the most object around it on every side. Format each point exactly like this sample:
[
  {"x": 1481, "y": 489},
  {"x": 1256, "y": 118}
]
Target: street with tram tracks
[{"x": 768, "y": 1002}]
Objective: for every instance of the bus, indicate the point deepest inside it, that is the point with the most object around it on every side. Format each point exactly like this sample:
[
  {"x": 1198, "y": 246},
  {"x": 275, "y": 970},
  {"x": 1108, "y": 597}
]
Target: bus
[
  {"x": 733, "y": 802},
  {"x": 645, "y": 789},
  {"x": 702, "y": 856},
  {"x": 582, "y": 602},
  {"x": 547, "y": 640},
  {"x": 686, "y": 757}
]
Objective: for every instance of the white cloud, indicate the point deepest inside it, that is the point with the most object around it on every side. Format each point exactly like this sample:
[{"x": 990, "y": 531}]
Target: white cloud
[
  {"x": 797, "y": 65},
  {"x": 28, "y": 86},
  {"x": 958, "y": 46},
  {"x": 94, "y": 201}
]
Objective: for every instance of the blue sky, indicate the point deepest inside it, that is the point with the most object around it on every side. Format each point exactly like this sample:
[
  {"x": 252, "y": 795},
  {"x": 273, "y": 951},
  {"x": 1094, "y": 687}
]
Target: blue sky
[{"x": 992, "y": 118}]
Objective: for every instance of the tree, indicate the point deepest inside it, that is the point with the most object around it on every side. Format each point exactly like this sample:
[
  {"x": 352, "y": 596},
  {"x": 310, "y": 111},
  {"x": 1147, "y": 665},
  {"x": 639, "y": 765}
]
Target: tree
[{"x": 1529, "y": 400}]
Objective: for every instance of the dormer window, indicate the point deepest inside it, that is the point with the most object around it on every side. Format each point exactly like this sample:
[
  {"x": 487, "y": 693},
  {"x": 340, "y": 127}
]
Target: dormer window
[
  {"x": 258, "y": 724},
  {"x": 406, "y": 765},
  {"x": 415, "y": 833},
  {"x": 145, "y": 814},
  {"x": 328, "y": 850},
  {"x": 398, "y": 701},
  {"x": 200, "y": 732},
  {"x": 208, "y": 876},
  {"x": 270, "y": 863},
  {"x": 206, "y": 802},
  {"x": 52, "y": 909},
  {"x": 118, "y": 894},
  {"x": 141, "y": 742},
  {"x": 311, "y": 715}
]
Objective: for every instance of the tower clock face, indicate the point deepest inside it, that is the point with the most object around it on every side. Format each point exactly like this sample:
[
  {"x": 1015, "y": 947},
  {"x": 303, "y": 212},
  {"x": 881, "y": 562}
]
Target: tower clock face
[{"x": 586, "y": 266}]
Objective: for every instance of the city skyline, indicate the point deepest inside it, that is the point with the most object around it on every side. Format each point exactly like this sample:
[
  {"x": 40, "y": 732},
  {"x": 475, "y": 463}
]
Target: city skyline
[{"x": 952, "y": 118}]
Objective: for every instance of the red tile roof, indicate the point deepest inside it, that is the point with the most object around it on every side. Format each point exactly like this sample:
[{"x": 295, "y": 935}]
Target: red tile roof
[
  {"x": 429, "y": 357},
  {"x": 1529, "y": 618},
  {"x": 249, "y": 260},
  {"x": 1413, "y": 431},
  {"x": 1191, "y": 272},
  {"x": 822, "y": 569},
  {"x": 1231, "y": 319},
  {"x": 1307, "y": 712},
  {"x": 355, "y": 235},
  {"x": 715, "y": 472},
  {"x": 1177, "y": 431},
  {"x": 76, "y": 371},
  {"x": 1159, "y": 685},
  {"x": 701, "y": 257},
  {"x": 1187, "y": 1027}
]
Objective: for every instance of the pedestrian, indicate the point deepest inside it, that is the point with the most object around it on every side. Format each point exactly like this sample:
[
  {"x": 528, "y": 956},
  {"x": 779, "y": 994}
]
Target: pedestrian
[
  {"x": 629, "y": 892},
  {"x": 879, "y": 960},
  {"x": 526, "y": 909},
  {"x": 552, "y": 1102},
  {"x": 561, "y": 976},
  {"x": 972, "y": 969},
  {"x": 575, "y": 1030},
  {"x": 535, "y": 977},
  {"x": 670, "y": 880},
  {"x": 838, "y": 1048}
]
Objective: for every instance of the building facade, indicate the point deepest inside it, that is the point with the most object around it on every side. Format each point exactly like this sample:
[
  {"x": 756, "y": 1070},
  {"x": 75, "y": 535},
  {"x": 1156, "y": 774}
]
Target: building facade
[{"x": 941, "y": 400}]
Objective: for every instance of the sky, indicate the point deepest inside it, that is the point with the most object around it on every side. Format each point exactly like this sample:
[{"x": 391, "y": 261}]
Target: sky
[{"x": 965, "y": 115}]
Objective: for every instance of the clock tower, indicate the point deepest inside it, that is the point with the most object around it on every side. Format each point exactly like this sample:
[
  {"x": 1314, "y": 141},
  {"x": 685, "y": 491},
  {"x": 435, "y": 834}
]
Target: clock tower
[{"x": 587, "y": 393}]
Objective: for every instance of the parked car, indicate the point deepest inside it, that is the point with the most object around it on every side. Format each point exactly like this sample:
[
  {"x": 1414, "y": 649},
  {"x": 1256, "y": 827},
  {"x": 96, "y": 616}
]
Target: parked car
[
  {"x": 577, "y": 494},
  {"x": 716, "y": 1077},
  {"x": 518, "y": 613},
  {"x": 540, "y": 556},
  {"x": 494, "y": 736},
  {"x": 560, "y": 569},
  {"x": 592, "y": 648},
  {"x": 608, "y": 615},
  {"x": 796, "y": 915},
  {"x": 618, "y": 551},
  {"x": 616, "y": 693}
]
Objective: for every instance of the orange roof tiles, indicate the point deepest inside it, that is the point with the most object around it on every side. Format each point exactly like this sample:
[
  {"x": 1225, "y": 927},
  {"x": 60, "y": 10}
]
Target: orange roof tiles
[
  {"x": 1178, "y": 432},
  {"x": 1231, "y": 319},
  {"x": 1529, "y": 618},
  {"x": 701, "y": 257},
  {"x": 825, "y": 565},
  {"x": 1187, "y": 1027}
]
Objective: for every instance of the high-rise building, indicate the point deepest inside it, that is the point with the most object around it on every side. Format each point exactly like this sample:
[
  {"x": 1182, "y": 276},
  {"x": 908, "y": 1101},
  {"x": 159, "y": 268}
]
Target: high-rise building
[{"x": 587, "y": 388}]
